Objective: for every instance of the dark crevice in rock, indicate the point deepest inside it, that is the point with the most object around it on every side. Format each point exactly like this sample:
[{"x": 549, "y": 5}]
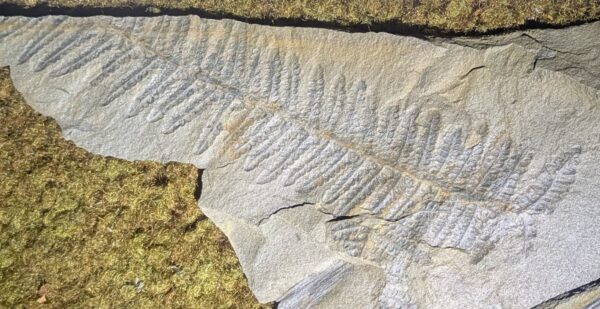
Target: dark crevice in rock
[
  {"x": 198, "y": 188},
  {"x": 472, "y": 70},
  {"x": 283, "y": 208},
  {"x": 392, "y": 27},
  {"x": 362, "y": 215},
  {"x": 192, "y": 225},
  {"x": 340, "y": 218},
  {"x": 550, "y": 303}
]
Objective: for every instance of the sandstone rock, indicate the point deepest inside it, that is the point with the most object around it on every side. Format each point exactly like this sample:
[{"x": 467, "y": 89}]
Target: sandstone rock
[{"x": 348, "y": 170}]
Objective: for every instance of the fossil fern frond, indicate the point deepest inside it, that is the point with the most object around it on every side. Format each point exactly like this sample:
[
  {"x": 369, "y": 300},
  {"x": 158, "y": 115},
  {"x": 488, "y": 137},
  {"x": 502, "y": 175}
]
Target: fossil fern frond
[{"x": 298, "y": 125}]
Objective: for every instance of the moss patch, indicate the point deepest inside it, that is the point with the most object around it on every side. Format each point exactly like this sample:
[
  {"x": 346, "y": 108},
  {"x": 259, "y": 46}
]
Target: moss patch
[
  {"x": 78, "y": 230},
  {"x": 449, "y": 15}
]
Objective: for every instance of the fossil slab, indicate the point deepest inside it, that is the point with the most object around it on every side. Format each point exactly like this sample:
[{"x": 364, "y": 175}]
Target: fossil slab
[{"x": 348, "y": 170}]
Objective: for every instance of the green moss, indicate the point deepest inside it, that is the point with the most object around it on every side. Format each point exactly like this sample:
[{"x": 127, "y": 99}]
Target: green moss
[
  {"x": 78, "y": 230},
  {"x": 449, "y": 15}
]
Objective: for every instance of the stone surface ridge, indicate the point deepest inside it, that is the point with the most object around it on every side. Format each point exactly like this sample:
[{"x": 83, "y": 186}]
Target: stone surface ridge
[{"x": 363, "y": 170}]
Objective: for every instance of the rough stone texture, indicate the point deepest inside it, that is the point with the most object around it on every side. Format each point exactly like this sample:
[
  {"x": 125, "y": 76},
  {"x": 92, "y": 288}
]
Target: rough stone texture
[
  {"x": 574, "y": 51},
  {"x": 348, "y": 170}
]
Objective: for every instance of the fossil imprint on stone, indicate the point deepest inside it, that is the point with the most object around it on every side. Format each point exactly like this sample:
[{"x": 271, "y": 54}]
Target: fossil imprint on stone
[{"x": 391, "y": 173}]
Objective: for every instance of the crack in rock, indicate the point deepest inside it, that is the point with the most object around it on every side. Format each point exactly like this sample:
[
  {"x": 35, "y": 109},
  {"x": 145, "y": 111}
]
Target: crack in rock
[{"x": 282, "y": 209}]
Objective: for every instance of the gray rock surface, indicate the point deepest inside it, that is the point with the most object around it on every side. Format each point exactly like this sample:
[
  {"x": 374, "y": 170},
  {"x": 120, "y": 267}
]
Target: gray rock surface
[
  {"x": 574, "y": 51},
  {"x": 348, "y": 170}
]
